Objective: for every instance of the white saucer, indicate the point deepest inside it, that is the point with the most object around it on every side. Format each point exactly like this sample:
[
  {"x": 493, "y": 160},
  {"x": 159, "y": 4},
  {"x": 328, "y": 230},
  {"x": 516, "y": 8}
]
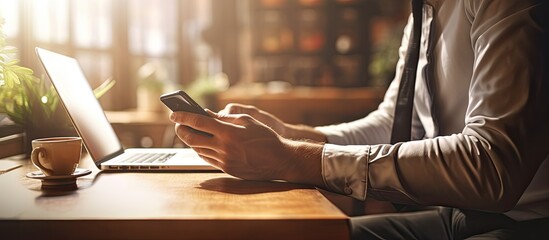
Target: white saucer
[{"x": 59, "y": 180}]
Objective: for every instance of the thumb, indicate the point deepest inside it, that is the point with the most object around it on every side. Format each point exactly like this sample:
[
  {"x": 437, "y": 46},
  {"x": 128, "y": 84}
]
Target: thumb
[
  {"x": 211, "y": 113},
  {"x": 237, "y": 119},
  {"x": 222, "y": 115},
  {"x": 225, "y": 116}
]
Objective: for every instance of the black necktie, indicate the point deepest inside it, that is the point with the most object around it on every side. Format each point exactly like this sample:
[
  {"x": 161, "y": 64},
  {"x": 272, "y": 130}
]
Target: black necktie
[{"x": 402, "y": 121}]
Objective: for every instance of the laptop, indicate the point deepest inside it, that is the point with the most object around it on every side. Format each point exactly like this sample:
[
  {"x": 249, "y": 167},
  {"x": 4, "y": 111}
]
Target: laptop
[{"x": 96, "y": 132}]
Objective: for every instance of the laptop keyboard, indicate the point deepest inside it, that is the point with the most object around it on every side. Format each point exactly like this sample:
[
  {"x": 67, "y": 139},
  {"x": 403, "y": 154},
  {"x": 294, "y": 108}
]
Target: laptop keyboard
[{"x": 153, "y": 158}]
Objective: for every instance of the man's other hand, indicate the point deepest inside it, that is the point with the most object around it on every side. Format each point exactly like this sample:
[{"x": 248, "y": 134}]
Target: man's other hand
[{"x": 292, "y": 131}]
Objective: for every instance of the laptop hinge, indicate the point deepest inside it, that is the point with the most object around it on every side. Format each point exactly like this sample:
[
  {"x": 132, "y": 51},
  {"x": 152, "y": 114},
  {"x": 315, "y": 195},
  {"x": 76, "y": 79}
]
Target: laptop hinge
[{"x": 108, "y": 157}]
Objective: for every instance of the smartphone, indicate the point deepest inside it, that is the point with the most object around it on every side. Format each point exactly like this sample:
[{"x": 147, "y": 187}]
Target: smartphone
[{"x": 179, "y": 101}]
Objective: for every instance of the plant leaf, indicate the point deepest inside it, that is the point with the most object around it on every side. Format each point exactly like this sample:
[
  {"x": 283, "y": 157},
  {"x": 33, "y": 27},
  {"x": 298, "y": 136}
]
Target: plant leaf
[
  {"x": 104, "y": 87},
  {"x": 10, "y": 78},
  {"x": 21, "y": 70},
  {"x": 9, "y": 50}
]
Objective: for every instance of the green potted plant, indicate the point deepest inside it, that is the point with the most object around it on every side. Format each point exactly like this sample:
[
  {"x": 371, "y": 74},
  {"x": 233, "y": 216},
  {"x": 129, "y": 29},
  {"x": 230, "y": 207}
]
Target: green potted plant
[{"x": 32, "y": 102}]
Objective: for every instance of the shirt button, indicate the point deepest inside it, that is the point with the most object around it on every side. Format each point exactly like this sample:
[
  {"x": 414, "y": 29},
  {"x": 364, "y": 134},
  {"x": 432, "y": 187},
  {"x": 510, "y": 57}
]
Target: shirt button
[{"x": 348, "y": 190}]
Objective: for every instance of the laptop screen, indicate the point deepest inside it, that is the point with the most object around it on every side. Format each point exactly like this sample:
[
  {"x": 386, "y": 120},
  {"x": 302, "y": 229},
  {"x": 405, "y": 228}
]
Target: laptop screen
[{"x": 83, "y": 108}]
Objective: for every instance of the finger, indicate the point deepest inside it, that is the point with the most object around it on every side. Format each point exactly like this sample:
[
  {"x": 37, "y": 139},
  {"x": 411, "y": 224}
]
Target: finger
[
  {"x": 230, "y": 108},
  {"x": 213, "y": 162},
  {"x": 207, "y": 152},
  {"x": 193, "y": 138},
  {"x": 236, "y": 119},
  {"x": 236, "y": 108},
  {"x": 210, "y": 156},
  {"x": 197, "y": 121},
  {"x": 224, "y": 111},
  {"x": 212, "y": 113}
]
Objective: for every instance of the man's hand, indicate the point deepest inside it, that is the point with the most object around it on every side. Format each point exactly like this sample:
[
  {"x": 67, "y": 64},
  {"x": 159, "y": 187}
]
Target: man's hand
[
  {"x": 264, "y": 117},
  {"x": 284, "y": 129},
  {"x": 246, "y": 148}
]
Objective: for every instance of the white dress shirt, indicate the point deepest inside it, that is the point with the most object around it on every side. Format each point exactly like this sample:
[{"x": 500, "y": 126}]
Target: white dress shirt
[{"x": 479, "y": 131}]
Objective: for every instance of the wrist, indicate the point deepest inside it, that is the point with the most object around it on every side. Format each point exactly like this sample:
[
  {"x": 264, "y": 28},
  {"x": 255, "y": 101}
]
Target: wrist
[
  {"x": 305, "y": 162},
  {"x": 292, "y": 131},
  {"x": 302, "y": 132}
]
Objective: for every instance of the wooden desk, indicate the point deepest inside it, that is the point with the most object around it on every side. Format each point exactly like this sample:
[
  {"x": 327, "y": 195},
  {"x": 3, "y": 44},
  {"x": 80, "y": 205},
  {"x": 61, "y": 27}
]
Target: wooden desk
[{"x": 164, "y": 206}]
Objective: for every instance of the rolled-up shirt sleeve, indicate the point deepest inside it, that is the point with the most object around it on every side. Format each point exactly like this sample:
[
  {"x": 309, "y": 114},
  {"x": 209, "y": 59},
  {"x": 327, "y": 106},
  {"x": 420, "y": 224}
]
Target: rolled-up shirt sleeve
[{"x": 345, "y": 168}]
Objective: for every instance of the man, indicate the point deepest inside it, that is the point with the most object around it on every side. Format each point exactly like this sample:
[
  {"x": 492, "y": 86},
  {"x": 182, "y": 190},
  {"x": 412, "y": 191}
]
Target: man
[{"x": 478, "y": 140}]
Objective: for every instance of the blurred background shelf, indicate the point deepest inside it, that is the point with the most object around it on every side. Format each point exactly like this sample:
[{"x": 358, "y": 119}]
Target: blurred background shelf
[
  {"x": 309, "y": 105},
  {"x": 322, "y": 42}
]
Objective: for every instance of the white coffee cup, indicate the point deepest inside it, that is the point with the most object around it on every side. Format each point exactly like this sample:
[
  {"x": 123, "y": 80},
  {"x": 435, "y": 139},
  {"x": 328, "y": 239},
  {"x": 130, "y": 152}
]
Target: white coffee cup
[{"x": 56, "y": 156}]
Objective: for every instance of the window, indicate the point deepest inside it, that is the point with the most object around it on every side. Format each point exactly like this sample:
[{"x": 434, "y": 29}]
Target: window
[
  {"x": 113, "y": 38},
  {"x": 337, "y": 43}
]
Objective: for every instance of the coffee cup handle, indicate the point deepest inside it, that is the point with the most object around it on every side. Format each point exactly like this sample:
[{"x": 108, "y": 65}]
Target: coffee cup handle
[{"x": 35, "y": 157}]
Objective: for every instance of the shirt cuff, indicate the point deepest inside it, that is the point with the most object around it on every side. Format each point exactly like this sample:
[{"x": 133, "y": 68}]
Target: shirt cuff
[{"x": 345, "y": 169}]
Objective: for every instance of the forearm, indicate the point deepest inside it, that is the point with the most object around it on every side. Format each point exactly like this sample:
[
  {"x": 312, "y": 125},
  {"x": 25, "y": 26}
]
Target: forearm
[
  {"x": 459, "y": 170},
  {"x": 476, "y": 170},
  {"x": 303, "y": 132}
]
